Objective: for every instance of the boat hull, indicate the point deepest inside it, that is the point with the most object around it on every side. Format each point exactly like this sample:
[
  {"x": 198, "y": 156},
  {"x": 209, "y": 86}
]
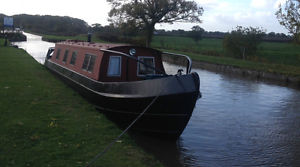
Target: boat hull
[{"x": 123, "y": 102}]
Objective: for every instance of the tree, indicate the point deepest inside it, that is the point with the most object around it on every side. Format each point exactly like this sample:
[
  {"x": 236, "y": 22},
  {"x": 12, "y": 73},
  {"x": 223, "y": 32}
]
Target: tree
[
  {"x": 96, "y": 27},
  {"x": 147, "y": 13},
  {"x": 289, "y": 17},
  {"x": 243, "y": 42},
  {"x": 52, "y": 25},
  {"x": 196, "y": 33}
]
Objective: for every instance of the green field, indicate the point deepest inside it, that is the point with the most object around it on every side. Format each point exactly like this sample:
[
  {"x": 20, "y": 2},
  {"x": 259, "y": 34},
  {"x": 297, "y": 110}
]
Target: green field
[
  {"x": 206, "y": 46},
  {"x": 43, "y": 122},
  {"x": 279, "y": 53},
  {"x": 268, "y": 52},
  {"x": 78, "y": 37}
]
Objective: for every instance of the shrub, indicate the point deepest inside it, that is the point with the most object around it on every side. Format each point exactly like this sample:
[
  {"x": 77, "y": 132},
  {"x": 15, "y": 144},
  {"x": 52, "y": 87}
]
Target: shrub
[{"x": 243, "y": 42}]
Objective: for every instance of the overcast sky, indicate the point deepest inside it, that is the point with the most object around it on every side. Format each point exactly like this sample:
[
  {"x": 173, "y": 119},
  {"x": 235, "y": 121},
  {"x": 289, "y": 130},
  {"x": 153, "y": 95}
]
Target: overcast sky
[{"x": 219, "y": 15}]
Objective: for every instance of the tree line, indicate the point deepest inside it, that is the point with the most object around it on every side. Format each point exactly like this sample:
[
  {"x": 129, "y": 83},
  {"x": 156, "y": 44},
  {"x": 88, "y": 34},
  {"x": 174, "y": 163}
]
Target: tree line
[
  {"x": 116, "y": 34},
  {"x": 271, "y": 36},
  {"x": 51, "y": 25}
]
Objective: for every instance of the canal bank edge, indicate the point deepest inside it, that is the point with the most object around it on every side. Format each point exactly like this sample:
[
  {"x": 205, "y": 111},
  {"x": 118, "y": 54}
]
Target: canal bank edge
[
  {"x": 232, "y": 70},
  {"x": 38, "y": 128}
]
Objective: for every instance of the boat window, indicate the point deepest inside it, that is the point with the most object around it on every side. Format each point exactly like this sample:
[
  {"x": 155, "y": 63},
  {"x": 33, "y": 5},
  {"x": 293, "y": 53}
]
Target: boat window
[
  {"x": 85, "y": 62},
  {"x": 92, "y": 63},
  {"x": 58, "y": 53},
  {"x": 66, "y": 56},
  {"x": 73, "y": 58},
  {"x": 146, "y": 69},
  {"x": 89, "y": 62},
  {"x": 114, "y": 66}
]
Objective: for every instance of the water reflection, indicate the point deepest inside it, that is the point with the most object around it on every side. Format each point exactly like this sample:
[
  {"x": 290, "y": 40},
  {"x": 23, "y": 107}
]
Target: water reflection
[
  {"x": 237, "y": 122},
  {"x": 166, "y": 151},
  {"x": 243, "y": 123},
  {"x": 35, "y": 47}
]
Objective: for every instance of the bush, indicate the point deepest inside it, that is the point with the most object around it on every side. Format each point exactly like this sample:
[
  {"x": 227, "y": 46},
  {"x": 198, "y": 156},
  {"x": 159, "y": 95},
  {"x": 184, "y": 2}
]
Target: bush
[
  {"x": 14, "y": 37},
  {"x": 243, "y": 42},
  {"x": 196, "y": 33}
]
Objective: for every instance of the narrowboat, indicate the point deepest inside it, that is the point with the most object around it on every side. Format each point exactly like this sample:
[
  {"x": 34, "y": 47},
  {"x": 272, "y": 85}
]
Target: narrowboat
[{"x": 122, "y": 80}]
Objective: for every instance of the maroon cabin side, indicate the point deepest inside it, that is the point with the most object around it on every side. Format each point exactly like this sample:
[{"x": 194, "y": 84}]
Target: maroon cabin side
[{"x": 88, "y": 59}]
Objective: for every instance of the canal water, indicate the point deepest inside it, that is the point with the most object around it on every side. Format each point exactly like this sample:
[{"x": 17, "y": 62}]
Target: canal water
[
  {"x": 35, "y": 47},
  {"x": 237, "y": 122}
]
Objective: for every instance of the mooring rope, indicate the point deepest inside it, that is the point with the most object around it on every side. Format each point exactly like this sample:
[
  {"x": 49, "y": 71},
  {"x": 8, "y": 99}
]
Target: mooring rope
[{"x": 114, "y": 141}]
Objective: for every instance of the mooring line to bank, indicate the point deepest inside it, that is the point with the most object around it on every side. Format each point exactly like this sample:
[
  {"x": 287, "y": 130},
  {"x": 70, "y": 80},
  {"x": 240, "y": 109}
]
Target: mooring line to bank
[{"x": 114, "y": 141}]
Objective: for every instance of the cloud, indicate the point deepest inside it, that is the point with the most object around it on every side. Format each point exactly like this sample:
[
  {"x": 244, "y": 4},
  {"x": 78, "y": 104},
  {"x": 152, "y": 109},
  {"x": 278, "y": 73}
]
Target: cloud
[
  {"x": 266, "y": 4},
  {"x": 259, "y": 3},
  {"x": 212, "y": 5}
]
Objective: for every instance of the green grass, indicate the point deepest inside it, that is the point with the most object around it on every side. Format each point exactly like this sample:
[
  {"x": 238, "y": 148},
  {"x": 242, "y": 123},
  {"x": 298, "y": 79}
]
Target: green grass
[
  {"x": 268, "y": 52},
  {"x": 279, "y": 53},
  {"x": 2, "y": 41},
  {"x": 78, "y": 37},
  {"x": 288, "y": 70},
  {"x": 45, "y": 123},
  {"x": 205, "y": 46}
]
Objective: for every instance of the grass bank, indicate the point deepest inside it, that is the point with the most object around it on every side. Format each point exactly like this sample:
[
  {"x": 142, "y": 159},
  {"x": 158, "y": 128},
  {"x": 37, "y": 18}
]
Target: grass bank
[
  {"x": 45, "y": 123},
  {"x": 287, "y": 70}
]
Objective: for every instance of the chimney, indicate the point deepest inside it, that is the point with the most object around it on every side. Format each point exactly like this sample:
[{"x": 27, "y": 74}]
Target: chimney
[{"x": 89, "y": 37}]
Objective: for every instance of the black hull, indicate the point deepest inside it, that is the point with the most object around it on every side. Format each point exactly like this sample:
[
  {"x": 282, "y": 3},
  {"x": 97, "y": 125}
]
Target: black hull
[{"x": 123, "y": 102}]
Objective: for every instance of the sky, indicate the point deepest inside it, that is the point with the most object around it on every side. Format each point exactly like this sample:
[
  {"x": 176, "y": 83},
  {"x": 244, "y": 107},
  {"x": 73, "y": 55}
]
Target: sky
[{"x": 219, "y": 15}]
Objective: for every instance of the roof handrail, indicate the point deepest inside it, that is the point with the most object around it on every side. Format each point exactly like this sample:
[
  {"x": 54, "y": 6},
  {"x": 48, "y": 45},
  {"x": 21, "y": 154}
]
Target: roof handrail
[
  {"x": 189, "y": 65},
  {"x": 134, "y": 58}
]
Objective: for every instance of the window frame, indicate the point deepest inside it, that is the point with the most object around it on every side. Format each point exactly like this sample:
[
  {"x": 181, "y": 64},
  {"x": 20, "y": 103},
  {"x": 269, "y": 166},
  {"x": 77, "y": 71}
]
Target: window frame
[
  {"x": 66, "y": 55},
  {"x": 57, "y": 53},
  {"x": 120, "y": 66},
  {"x": 74, "y": 54},
  {"x": 88, "y": 60},
  {"x": 93, "y": 65},
  {"x": 138, "y": 65},
  {"x": 88, "y": 63}
]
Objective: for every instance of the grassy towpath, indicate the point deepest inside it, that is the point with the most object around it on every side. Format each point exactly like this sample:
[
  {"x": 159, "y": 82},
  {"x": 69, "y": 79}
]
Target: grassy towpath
[{"x": 45, "y": 123}]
